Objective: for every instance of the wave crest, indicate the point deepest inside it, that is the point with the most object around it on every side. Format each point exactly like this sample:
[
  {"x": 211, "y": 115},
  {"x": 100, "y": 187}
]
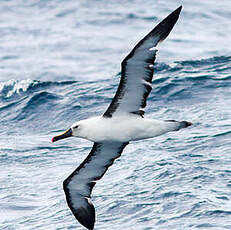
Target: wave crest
[{"x": 13, "y": 87}]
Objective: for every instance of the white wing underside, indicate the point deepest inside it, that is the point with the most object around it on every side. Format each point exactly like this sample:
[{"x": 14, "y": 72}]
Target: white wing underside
[{"x": 79, "y": 184}]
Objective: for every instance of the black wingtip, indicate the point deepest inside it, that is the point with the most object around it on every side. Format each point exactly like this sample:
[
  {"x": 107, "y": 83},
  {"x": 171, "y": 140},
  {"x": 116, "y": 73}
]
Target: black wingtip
[
  {"x": 165, "y": 26},
  {"x": 86, "y": 214},
  {"x": 179, "y": 9},
  {"x": 176, "y": 11}
]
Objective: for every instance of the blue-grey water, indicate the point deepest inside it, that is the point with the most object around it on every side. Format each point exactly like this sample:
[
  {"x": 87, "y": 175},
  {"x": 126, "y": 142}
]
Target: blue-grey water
[{"x": 60, "y": 62}]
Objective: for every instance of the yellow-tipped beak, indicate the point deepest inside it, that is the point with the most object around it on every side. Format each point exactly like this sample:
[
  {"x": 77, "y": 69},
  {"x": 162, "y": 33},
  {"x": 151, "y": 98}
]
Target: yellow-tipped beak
[{"x": 66, "y": 134}]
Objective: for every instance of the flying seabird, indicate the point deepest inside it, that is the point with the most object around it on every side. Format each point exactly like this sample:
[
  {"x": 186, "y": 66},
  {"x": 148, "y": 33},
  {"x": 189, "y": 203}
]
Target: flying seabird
[{"x": 122, "y": 122}]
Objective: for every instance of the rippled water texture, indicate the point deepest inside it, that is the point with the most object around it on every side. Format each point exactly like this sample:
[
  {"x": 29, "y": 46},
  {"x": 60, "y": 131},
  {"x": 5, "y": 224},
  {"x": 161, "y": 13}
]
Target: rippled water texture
[{"x": 60, "y": 62}]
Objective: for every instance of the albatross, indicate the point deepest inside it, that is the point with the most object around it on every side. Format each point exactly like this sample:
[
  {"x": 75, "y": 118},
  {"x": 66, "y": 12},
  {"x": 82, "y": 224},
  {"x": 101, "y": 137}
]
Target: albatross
[{"x": 122, "y": 122}]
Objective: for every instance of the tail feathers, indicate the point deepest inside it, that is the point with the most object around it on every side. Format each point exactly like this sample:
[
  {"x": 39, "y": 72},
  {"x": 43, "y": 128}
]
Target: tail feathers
[
  {"x": 184, "y": 124},
  {"x": 180, "y": 124}
]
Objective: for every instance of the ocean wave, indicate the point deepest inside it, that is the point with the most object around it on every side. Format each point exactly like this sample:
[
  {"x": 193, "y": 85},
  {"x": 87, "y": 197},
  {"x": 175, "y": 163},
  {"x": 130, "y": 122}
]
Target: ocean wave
[
  {"x": 207, "y": 61},
  {"x": 202, "y": 70},
  {"x": 40, "y": 102},
  {"x": 171, "y": 83},
  {"x": 187, "y": 78},
  {"x": 217, "y": 64},
  {"x": 13, "y": 87}
]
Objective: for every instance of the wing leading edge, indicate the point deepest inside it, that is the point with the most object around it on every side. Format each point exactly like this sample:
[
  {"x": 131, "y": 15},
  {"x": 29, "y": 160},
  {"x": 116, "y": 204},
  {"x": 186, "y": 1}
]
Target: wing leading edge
[
  {"x": 78, "y": 186},
  {"x": 137, "y": 70}
]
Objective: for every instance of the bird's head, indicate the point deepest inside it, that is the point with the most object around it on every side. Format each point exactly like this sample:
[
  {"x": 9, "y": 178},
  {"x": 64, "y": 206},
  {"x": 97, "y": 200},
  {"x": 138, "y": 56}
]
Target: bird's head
[{"x": 74, "y": 131}]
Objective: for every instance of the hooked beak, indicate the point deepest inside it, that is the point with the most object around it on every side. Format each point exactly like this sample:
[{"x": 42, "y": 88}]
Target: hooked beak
[{"x": 66, "y": 134}]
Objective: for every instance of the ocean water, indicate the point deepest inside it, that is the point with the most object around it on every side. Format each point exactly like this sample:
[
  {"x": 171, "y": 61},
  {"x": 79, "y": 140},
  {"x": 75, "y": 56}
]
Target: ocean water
[{"x": 60, "y": 62}]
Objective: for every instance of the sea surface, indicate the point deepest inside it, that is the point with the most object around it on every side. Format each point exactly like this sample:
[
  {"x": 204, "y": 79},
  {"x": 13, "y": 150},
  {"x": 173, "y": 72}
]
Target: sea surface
[{"x": 60, "y": 62}]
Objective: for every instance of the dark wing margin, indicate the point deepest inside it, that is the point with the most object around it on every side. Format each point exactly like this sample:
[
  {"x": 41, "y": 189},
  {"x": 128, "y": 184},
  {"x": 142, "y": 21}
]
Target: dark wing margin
[
  {"x": 78, "y": 186},
  {"x": 137, "y": 70}
]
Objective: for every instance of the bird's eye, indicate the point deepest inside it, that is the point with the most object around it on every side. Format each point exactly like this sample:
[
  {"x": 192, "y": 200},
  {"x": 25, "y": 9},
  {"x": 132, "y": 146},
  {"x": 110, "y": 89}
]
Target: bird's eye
[{"x": 75, "y": 127}]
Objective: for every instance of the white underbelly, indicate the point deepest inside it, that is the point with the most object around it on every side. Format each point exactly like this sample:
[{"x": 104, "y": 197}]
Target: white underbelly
[{"x": 125, "y": 129}]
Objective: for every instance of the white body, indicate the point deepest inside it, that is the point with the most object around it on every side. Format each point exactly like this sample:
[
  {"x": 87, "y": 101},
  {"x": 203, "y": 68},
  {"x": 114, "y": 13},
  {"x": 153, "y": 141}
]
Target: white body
[{"x": 121, "y": 128}]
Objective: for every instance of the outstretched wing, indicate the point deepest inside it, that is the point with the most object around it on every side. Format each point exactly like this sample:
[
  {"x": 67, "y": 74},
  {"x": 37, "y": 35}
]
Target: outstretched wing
[
  {"x": 79, "y": 184},
  {"x": 137, "y": 71}
]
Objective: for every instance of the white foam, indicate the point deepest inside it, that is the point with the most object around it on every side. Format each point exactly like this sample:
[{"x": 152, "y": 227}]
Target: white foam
[{"x": 11, "y": 87}]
